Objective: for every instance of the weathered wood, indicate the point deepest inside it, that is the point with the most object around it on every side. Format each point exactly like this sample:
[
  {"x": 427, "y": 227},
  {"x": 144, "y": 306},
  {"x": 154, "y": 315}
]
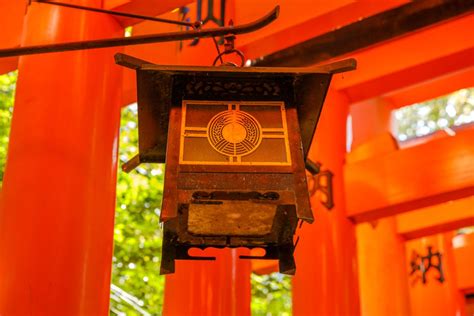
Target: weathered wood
[
  {"x": 369, "y": 31},
  {"x": 396, "y": 182}
]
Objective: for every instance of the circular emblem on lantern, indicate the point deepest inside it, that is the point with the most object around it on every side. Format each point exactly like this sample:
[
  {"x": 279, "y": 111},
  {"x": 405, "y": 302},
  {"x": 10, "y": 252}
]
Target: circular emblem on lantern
[{"x": 234, "y": 133}]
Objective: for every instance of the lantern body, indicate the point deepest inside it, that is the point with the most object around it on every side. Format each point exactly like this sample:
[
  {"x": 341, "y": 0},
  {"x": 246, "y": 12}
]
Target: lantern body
[{"x": 234, "y": 141}]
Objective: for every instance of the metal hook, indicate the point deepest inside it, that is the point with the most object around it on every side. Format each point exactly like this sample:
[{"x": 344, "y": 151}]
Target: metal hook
[{"x": 229, "y": 48}]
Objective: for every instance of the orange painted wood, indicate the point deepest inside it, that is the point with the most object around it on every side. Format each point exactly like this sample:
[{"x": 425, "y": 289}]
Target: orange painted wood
[
  {"x": 423, "y": 71},
  {"x": 264, "y": 266},
  {"x": 111, "y": 4},
  {"x": 410, "y": 60},
  {"x": 410, "y": 51},
  {"x": 307, "y": 19},
  {"x": 380, "y": 250},
  {"x": 214, "y": 288},
  {"x": 394, "y": 65},
  {"x": 411, "y": 178},
  {"x": 439, "y": 134},
  {"x": 432, "y": 88},
  {"x": 371, "y": 129},
  {"x": 327, "y": 15},
  {"x": 380, "y": 145},
  {"x": 435, "y": 298},
  {"x": 326, "y": 264},
  {"x": 8, "y": 64},
  {"x": 464, "y": 259},
  {"x": 436, "y": 219},
  {"x": 58, "y": 195},
  {"x": 145, "y": 7},
  {"x": 11, "y": 15},
  {"x": 292, "y": 13},
  {"x": 383, "y": 280},
  {"x": 298, "y": 21}
]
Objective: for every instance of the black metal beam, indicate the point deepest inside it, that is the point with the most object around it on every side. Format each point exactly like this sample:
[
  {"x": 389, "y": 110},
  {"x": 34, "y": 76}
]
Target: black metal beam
[
  {"x": 381, "y": 27},
  {"x": 143, "y": 39}
]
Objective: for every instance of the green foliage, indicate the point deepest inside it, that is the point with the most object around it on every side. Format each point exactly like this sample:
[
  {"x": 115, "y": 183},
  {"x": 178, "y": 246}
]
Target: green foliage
[
  {"x": 271, "y": 295},
  {"x": 427, "y": 117},
  {"x": 137, "y": 237},
  {"x": 7, "y": 93}
]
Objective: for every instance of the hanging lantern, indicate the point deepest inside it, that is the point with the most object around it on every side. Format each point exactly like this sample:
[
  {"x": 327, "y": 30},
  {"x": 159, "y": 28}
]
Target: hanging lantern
[{"x": 235, "y": 141}]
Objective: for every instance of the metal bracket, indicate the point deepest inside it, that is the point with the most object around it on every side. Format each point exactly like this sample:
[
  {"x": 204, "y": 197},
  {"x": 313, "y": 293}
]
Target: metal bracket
[{"x": 131, "y": 164}]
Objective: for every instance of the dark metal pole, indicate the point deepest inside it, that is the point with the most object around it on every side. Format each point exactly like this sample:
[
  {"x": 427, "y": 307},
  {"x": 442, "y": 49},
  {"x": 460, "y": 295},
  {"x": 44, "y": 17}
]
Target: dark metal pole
[
  {"x": 195, "y": 25},
  {"x": 144, "y": 39}
]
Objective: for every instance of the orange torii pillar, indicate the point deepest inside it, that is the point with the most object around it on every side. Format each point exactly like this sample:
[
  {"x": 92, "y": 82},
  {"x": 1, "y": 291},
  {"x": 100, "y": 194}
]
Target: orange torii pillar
[
  {"x": 58, "y": 198},
  {"x": 326, "y": 274},
  {"x": 210, "y": 288},
  {"x": 433, "y": 297},
  {"x": 383, "y": 278}
]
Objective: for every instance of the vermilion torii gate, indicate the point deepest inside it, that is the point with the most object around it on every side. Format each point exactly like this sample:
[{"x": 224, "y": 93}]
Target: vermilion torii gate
[{"x": 57, "y": 201}]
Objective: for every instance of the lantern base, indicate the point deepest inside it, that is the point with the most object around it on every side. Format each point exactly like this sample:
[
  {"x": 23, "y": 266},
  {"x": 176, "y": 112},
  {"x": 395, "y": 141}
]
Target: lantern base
[
  {"x": 178, "y": 238},
  {"x": 282, "y": 253}
]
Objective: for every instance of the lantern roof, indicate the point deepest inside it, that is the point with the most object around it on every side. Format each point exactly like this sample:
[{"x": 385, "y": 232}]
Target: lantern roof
[{"x": 162, "y": 87}]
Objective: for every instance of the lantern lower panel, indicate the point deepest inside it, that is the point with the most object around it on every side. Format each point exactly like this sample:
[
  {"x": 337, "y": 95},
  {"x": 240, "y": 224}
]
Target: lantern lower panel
[{"x": 233, "y": 224}]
